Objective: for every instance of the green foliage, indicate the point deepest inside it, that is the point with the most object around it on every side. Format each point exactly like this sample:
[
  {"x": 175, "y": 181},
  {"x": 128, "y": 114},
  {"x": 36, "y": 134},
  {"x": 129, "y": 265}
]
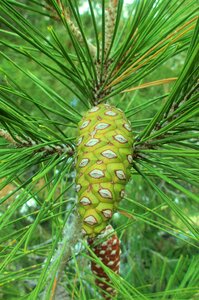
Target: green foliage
[{"x": 55, "y": 64}]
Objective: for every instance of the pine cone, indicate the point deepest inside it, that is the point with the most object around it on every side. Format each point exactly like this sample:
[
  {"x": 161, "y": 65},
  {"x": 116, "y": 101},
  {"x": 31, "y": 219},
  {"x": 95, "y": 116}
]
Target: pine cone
[
  {"x": 108, "y": 252},
  {"x": 104, "y": 155}
]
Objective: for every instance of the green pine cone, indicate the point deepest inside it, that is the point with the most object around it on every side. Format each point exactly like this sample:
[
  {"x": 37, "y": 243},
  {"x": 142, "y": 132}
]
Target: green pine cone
[{"x": 104, "y": 155}]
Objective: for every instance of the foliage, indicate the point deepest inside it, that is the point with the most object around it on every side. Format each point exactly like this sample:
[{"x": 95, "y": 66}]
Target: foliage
[{"x": 56, "y": 62}]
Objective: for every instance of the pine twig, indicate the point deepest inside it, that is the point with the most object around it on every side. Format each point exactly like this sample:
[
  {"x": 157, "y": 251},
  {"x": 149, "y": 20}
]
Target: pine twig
[
  {"x": 73, "y": 28},
  {"x": 18, "y": 142},
  {"x": 110, "y": 24},
  {"x": 77, "y": 33},
  {"x": 7, "y": 136},
  {"x": 71, "y": 235}
]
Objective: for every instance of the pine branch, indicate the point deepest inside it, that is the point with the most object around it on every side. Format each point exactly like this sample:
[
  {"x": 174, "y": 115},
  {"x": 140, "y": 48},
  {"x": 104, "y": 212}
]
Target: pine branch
[{"x": 165, "y": 162}]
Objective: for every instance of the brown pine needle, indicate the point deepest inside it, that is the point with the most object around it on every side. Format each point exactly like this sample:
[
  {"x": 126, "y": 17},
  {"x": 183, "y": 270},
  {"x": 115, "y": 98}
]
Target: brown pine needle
[
  {"x": 124, "y": 213},
  {"x": 152, "y": 83},
  {"x": 53, "y": 288},
  {"x": 171, "y": 38}
]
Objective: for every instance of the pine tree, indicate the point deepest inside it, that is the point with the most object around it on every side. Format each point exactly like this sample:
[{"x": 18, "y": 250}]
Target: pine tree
[{"x": 57, "y": 63}]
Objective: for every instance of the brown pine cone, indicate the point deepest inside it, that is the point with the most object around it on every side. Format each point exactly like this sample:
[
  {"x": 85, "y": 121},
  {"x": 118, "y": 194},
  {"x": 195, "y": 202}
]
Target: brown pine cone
[{"x": 108, "y": 251}]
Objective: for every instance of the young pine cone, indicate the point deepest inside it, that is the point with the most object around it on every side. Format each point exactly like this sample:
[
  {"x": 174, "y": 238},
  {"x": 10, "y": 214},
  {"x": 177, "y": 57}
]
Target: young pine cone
[{"x": 104, "y": 155}]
